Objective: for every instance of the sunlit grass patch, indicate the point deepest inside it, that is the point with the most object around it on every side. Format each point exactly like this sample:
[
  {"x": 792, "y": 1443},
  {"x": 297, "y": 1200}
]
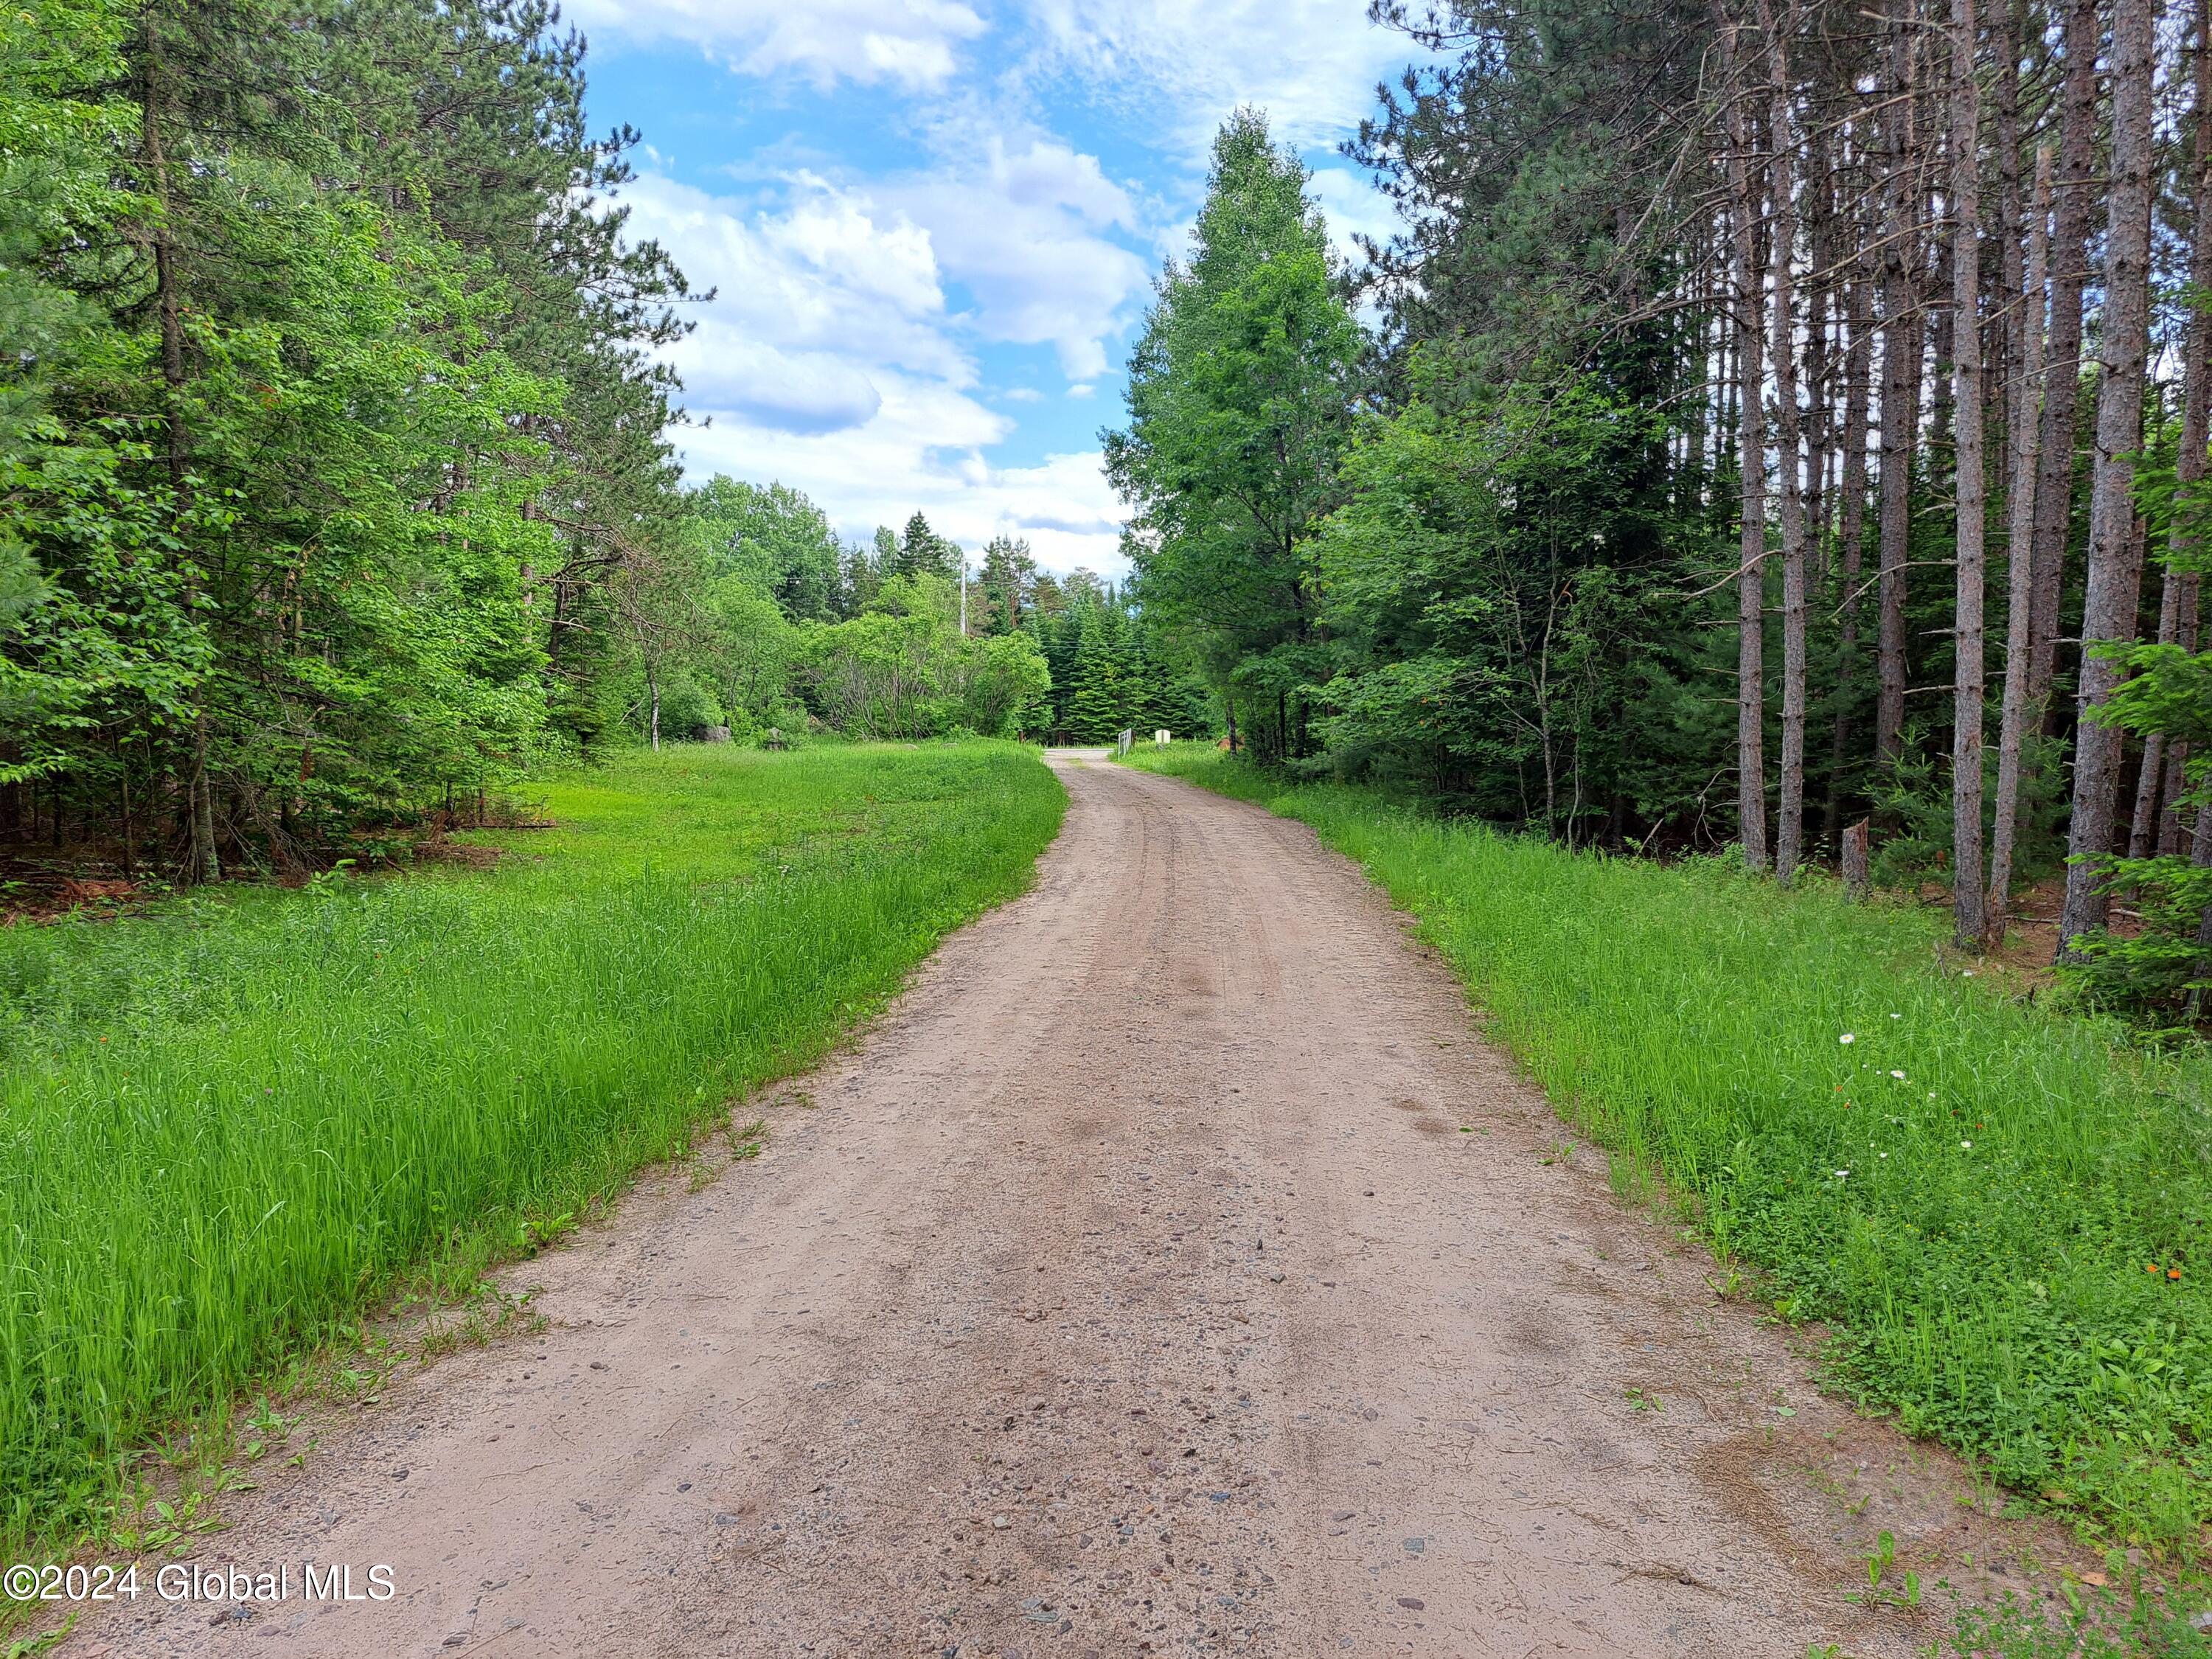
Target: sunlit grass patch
[{"x": 227, "y": 1125}]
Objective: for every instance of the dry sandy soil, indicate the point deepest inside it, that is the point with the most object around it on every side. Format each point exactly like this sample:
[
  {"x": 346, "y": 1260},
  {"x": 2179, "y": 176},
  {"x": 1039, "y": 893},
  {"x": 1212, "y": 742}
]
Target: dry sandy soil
[{"x": 1174, "y": 1269}]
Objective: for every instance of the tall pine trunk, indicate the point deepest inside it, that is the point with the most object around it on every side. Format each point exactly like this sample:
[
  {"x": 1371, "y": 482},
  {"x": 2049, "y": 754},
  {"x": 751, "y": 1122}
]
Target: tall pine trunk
[
  {"x": 1751, "y": 433},
  {"x": 1790, "y": 817},
  {"x": 2157, "y": 823},
  {"x": 2115, "y": 569},
  {"x": 1966, "y": 374},
  {"x": 1901, "y": 349},
  {"x": 2075, "y": 193},
  {"x": 2020, "y": 557}
]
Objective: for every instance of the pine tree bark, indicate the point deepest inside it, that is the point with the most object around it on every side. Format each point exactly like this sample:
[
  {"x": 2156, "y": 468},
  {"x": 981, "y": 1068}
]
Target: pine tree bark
[
  {"x": 2157, "y": 827},
  {"x": 202, "y": 859},
  {"x": 1901, "y": 352},
  {"x": 1850, "y": 531},
  {"x": 2019, "y": 558},
  {"x": 1751, "y": 434},
  {"x": 1967, "y": 376},
  {"x": 2115, "y": 568},
  {"x": 1789, "y": 816},
  {"x": 2076, "y": 192}
]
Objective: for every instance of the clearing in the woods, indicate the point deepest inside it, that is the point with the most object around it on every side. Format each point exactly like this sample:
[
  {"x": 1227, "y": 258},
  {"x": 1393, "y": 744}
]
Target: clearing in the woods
[{"x": 1174, "y": 1268}]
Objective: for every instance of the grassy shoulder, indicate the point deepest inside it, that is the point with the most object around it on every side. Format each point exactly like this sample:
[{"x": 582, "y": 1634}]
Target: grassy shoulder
[
  {"x": 231, "y": 1123},
  {"x": 1999, "y": 1214}
]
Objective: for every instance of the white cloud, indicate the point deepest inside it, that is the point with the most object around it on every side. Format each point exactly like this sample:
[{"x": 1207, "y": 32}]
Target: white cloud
[
  {"x": 814, "y": 297},
  {"x": 1349, "y": 202},
  {"x": 1185, "y": 65},
  {"x": 1021, "y": 226},
  {"x": 841, "y": 356},
  {"x": 909, "y": 43},
  {"x": 831, "y": 361}
]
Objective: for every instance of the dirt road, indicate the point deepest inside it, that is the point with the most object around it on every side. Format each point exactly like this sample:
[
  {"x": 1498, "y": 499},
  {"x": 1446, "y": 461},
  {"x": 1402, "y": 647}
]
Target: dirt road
[{"x": 1172, "y": 1270}]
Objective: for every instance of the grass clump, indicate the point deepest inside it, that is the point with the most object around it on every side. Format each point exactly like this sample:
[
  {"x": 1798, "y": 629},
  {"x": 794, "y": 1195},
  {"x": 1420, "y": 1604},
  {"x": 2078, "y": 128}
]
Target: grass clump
[
  {"x": 228, "y": 1124},
  {"x": 2000, "y": 1213}
]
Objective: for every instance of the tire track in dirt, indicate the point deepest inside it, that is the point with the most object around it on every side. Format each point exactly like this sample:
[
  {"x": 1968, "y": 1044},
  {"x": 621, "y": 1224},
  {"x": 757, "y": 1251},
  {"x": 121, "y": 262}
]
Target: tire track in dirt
[{"x": 1171, "y": 1270}]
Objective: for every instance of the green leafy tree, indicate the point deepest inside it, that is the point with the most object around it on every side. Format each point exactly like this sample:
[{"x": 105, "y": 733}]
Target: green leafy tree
[
  {"x": 771, "y": 537},
  {"x": 1239, "y": 406}
]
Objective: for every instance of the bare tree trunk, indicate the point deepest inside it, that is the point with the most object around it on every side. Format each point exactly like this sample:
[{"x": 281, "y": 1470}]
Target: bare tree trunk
[
  {"x": 2019, "y": 558},
  {"x": 1789, "y": 826},
  {"x": 2189, "y": 466},
  {"x": 652, "y": 696},
  {"x": 204, "y": 863},
  {"x": 1967, "y": 370},
  {"x": 1851, "y": 530},
  {"x": 2076, "y": 192},
  {"x": 2150, "y": 777},
  {"x": 2158, "y": 824},
  {"x": 1901, "y": 347},
  {"x": 1751, "y": 576},
  {"x": 2115, "y": 574}
]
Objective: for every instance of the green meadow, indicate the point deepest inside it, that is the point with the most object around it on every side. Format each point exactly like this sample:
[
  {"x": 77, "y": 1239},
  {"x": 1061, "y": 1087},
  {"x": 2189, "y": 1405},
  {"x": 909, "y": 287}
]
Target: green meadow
[
  {"x": 231, "y": 1123},
  {"x": 1997, "y": 1212}
]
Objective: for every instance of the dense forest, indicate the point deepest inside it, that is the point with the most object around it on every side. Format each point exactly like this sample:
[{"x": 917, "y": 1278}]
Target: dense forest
[{"x": 1773, "y": 415}]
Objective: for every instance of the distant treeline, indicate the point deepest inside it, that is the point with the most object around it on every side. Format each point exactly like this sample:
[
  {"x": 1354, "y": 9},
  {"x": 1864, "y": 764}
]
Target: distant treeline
[{"x": 770, "y": 622}]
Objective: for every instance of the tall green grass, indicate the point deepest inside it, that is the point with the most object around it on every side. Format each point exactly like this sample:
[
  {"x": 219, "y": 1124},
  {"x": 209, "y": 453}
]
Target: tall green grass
[
  {"x": 226, "y": 1125},
  {"x": 1980, "y": 1200}
]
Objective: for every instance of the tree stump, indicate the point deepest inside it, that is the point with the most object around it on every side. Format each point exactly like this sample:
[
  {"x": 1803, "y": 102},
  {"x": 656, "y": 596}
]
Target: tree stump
[{"x": 1855, "y": 859}]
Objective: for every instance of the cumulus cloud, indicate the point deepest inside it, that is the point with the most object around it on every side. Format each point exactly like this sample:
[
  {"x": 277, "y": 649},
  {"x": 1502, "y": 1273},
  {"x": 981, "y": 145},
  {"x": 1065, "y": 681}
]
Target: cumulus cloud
[
  {"x": 817, "y": 292},
  {"x": 1022, "y": 224},
  {"x": 909, "y": 43},
  {"x": 1351, "y": 204},
  {"x": 832, "y": 361},
  {"x": 1185, "y": 65}
]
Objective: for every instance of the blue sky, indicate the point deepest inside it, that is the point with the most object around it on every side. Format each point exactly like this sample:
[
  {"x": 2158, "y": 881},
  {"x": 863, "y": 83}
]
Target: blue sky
[{"x": 934, "y": 224}]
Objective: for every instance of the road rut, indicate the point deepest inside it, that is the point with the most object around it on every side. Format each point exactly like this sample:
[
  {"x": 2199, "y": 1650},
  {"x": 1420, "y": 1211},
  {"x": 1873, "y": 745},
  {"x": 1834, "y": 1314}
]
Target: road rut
[{"x": 1172, "y": 1269}]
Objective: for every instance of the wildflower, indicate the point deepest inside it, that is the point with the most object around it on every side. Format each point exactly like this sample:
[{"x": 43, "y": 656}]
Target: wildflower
[
  {"x": 2173, "y": 1273},
  {"x": 1899, "y": 1076},
  {"x": 2150, "y": 1267},
  {"x": 1968, "y": 972},
  {"x": 1847, "y": 1037},
  {"x": 1881, "y": 1154},
  {"x": 1842, "y": 1174},
  {"x": 1965, "y": 1145},
  {"x": 1897, "y": 1016}
]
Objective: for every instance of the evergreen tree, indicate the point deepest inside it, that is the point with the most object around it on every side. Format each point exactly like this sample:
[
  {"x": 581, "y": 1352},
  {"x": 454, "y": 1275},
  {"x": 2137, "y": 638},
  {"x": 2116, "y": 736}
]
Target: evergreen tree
[
  {"x": 921, "y": 551},
  {"x": 1095, "y": 698}
]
